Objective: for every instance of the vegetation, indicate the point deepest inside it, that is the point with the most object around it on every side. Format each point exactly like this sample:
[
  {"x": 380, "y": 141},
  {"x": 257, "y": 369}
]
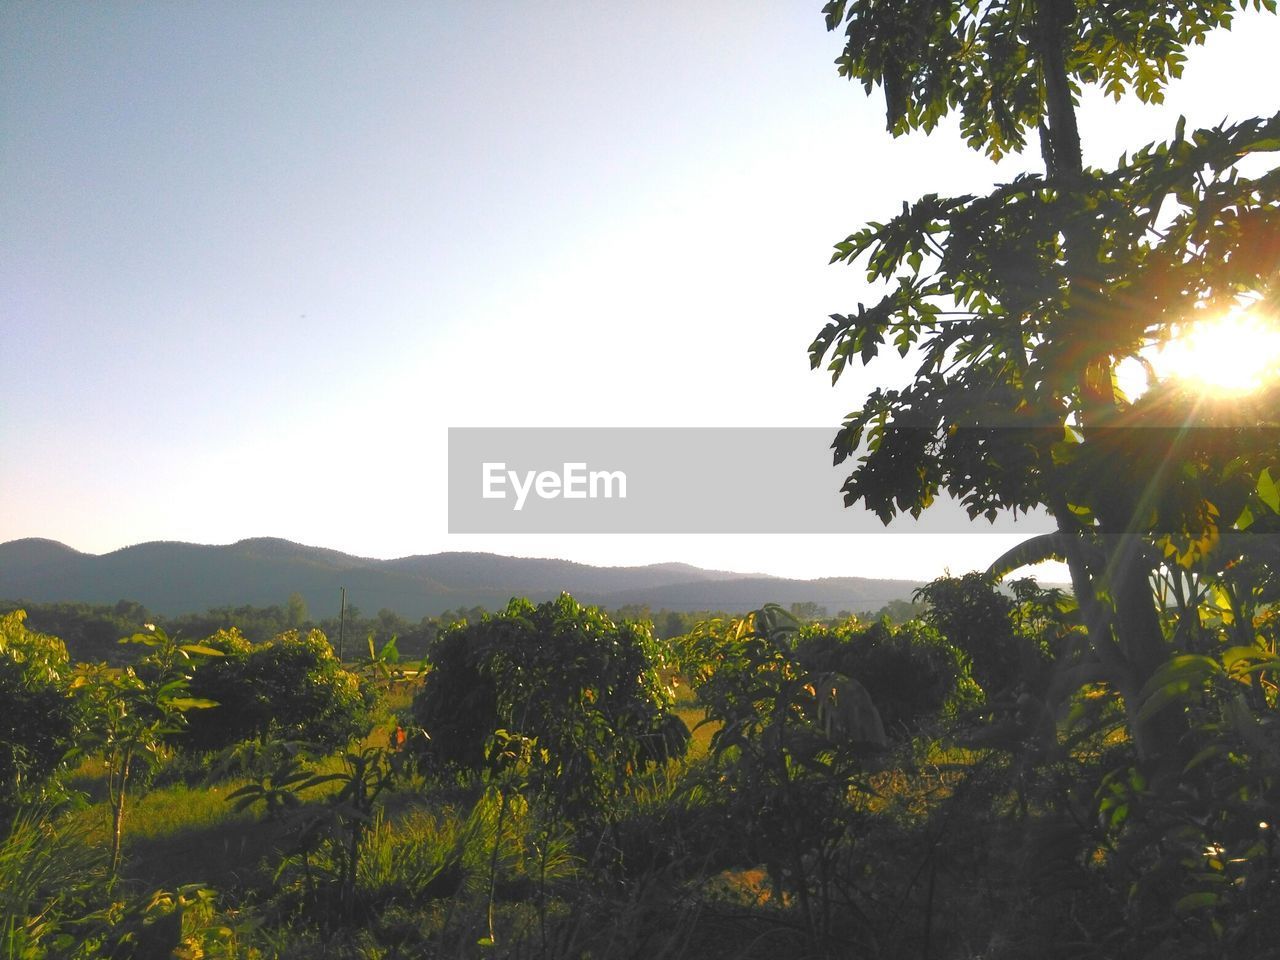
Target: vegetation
[
  {"x": 291, "y": 687},
  {"x": 130, "y": 713},
  {"x": 40, "y": 718},
  {"x": 585, "y": 694},
  {"x": 531, "y": 794},
  {"x": 991, "y": 770},
  {"x": 1022, "y": 304}
]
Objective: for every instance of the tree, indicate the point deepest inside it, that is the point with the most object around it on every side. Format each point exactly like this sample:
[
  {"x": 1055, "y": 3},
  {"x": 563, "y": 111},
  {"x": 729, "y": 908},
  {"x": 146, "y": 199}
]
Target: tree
[
  {"x": 792, "y": 736},
  {"x": 291, "y": 687},
  {"x": 976, "y": 617},
  {"x": 135, "y": 710},
  {"x": 911, "y": 672},
  {"x": 296, "y": 611},
  {"x": 1022, "y": 303},
  {"x": 808, "y": 610},
  {"x": 584, "y": 689},
  {"x": 40, "y": 716}
]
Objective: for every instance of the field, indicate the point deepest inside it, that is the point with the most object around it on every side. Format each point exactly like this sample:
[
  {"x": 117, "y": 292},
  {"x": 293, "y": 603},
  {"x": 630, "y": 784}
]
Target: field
[{"x": 551, "y": 782}]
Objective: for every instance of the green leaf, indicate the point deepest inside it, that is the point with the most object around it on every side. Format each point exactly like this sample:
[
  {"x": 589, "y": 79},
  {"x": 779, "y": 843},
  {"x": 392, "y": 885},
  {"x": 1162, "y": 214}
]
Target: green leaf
[
  {"x": 390, "y": 653},
  {"x": 1045, "y": 546},
  {"x": 1269, "y": 490},
  {"x": 1176, "y": 679},
  {"x": 1208, "y": 753},
  {"x": 190, "y": 703},
  {"x": 1196, "y": 901},
  {"x": 201, "y": 650},
  {"x": 1234, "y": 655}
]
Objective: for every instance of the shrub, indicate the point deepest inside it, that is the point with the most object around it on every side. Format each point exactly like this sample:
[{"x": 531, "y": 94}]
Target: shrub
[
  {"x": 39, "y": 716},
  {"x": 291, "y": 687},
  {"x": 911, "y": 672},
  {"x": 584, "y": 689},
  {"x": 973, "y": 614}
]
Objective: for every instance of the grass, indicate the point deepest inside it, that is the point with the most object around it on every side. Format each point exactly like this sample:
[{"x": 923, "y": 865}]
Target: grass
[
  {"x": 687, "y": 709},
  {"x": 700, "y": 745},
  {"x": 177, "y": 833}
]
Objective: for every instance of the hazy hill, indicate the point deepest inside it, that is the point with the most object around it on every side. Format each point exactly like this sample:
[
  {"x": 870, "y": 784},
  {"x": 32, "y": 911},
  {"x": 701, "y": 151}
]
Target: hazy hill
[
  {"x": 174, "y": 578},
  {"x": 481, "y": 571}
]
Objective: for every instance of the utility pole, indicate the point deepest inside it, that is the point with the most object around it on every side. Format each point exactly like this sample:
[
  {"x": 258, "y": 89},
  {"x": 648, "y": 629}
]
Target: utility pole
[{"x": 342, "y": 622}]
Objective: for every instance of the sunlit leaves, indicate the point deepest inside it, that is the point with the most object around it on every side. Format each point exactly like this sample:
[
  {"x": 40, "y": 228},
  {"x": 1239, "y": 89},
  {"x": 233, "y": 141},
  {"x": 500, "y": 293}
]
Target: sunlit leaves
[
  {"x": 984, "y": 302},
  {"x": 982, "y": 60},
  {"x": 586, "y": 689}
]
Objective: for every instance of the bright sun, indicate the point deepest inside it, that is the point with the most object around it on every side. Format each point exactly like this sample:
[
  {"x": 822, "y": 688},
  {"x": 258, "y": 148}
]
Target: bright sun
[{"x": 1232, "y": 354}]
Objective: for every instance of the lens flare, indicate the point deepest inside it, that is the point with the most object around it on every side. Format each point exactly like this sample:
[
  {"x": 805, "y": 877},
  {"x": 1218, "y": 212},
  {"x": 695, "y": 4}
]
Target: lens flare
[{"x": 1233, "y": 354}]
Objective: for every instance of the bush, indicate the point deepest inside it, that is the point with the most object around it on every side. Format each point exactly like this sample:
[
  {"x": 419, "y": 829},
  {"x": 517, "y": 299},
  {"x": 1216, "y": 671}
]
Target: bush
[
  {"x": 912, "y": 674},
  {"x": 585, "y": 689},
  {"x": 291, "y": 687},
  {"x": 973, "y": 614},
  {"x": 39, "y": 716}
]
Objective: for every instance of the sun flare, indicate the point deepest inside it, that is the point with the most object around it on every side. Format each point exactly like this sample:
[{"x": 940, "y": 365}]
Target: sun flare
[{"x": 1235, "y": 353}]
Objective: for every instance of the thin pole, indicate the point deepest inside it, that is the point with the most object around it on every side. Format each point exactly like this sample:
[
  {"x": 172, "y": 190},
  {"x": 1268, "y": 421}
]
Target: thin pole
[{"x": 342, "y": 622}]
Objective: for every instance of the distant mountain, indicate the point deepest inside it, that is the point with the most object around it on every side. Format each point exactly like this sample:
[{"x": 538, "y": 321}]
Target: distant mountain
[
  {"x": 175, "y": 578},
  {"x": 481, "y": 571}
]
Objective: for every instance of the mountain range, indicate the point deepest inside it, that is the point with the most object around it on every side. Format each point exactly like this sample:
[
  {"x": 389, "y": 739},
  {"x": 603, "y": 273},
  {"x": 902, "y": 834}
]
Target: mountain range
[{"x": 172, "y": 578}]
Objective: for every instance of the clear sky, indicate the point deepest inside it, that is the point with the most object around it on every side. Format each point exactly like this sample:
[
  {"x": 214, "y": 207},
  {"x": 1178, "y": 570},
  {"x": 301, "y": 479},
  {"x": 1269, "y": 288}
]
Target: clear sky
[{"x": 255, "y": 259}]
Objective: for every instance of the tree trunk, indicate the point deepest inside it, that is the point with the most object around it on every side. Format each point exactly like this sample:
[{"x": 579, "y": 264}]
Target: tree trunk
[
  {"x": 1139, "y": 639},
  {"x": 117, "y": 813},
  {"x": 493, "y": 863}
]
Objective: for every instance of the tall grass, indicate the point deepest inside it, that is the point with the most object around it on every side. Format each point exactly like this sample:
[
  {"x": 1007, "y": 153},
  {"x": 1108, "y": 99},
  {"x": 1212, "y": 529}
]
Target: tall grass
[{"x": 43, "y": 871}]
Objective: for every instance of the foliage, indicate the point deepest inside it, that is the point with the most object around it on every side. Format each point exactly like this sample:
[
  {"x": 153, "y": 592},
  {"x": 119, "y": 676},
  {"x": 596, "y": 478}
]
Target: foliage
[
  {"x": 792, "y": 743},
  {"x": 585, "y": 689},
  {"x": 40, "y": 716},
  {"x": 91, "y": 631},
  {"x": 45, "y": 875},
  {"x": 1116, "y": 794},
  {"x": 1207, "y": 847},
  {"x": 913, "y": 674},
  {"x": 335, "y": 828},
  {"x": 973, "y": 614},
  {"x": 184, "y": 922},
  {"x": 1020, "y": 305},
  {"x": 134, "y": 711},
  {"x": 291, "y": 687}
]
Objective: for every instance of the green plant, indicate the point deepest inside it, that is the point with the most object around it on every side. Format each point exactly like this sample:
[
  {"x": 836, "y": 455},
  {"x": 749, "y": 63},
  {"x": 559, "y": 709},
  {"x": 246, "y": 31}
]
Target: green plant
[
  {"x": 45, "y": 873},
  {"x": 40, "y": 715},
  {"x": 339, "y": 822},
  {"x": 135, "y": 710},
  {"x": 1020, "y": 305},
  {"x": 587, "y": 690},
  {"x": 792, "y": 747},
  {"x": 290, "y": 687},
  {"x": 973, "y": 615},
  {"x": 1207, "y": 847},
  {"x": 912, "y": 673},
  {"x": 186, "y": 922}
]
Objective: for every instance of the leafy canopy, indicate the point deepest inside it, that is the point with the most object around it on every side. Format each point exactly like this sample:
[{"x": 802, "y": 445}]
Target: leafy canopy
[
  {"x": 985, "y": 60},
  {"x": 39, "y": 716},
  {"x": 1021, "y": 304},
  {"x": 585, "y": 691}
]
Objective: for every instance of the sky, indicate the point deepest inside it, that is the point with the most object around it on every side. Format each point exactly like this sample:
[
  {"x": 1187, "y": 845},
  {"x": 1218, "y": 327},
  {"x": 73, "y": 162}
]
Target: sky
[{"x": 257, "y": 259}]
